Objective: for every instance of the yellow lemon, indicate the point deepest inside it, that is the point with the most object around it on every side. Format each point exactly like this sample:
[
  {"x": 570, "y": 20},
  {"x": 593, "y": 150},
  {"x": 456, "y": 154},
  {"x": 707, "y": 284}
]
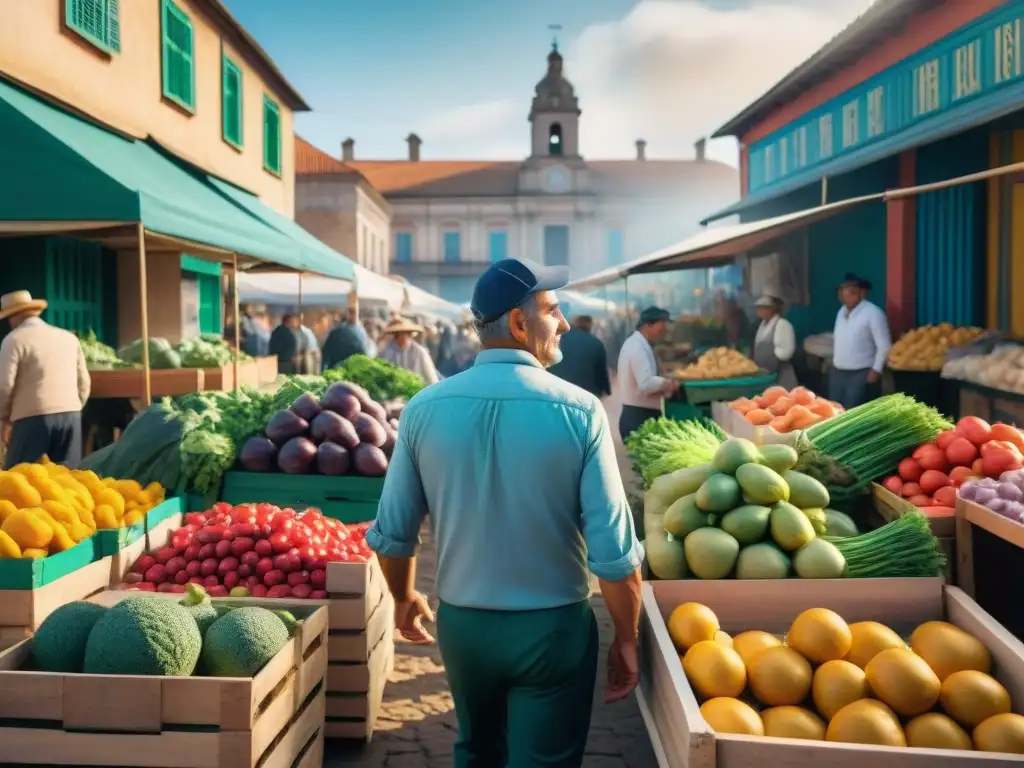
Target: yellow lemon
[
  {"x": 714, "y": 670},
  {"x": 691, "y": 623}
]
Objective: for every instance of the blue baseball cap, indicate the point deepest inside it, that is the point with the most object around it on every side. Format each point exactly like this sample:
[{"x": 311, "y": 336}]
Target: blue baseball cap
[{"x": 507, "y": 283}]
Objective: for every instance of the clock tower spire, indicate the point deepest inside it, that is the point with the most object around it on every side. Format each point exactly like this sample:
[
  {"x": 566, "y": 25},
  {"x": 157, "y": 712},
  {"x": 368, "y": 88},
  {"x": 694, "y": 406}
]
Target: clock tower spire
[{"x": 555, "y": 113}]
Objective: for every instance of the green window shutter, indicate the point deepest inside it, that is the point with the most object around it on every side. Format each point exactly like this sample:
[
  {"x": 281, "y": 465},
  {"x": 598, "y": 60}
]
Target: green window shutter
[
  {"x": 98, "y": 21},
  {"x": 232, "y": 102},
  {"x": 179, "y": 82},
  {"x": 271, "y": 135}
]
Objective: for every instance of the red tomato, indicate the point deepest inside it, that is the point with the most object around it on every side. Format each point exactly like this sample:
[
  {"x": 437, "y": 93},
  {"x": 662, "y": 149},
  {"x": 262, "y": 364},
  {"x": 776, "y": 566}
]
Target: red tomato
[
  {"x": 932, "y": 457},
  {"x": 945, "y": 438},
  {"x": 996, "y": 461},
  {"x": 894, "y": 484},
  {"x": 977, "y": 469},
  {"x": 910, "y": 470},
  {"x": 932, "y": 480},
  {"x": 998, "y": 445},
  {"x": 974, "y": 429},
  {"x": 958, "y": 475},
  {"x": 945, "y": 497},
  {"x": 911, "y": 489},
  {"x": 961, "y": 452},
  {"x": 1009, "y": 433},
  {"x": 920, "y": 500}
]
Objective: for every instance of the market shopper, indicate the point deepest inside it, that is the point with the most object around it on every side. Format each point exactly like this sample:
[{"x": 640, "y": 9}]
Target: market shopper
[
  {"x": 641, "y": 388},
  {"x": 860, "y": 346},
  {"x": 287, "y": 343},
  {"x": 517, "y": 472},
  {"x": 584, "y": 358},
  {"x": 44, "y": 384},
  {"x": 775, "y": 341},
  {"x": 405, "y": 352},
  {"x": 347, "y": 338}
]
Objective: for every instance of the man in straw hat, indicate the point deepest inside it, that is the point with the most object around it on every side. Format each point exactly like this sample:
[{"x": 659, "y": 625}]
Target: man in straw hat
[
  {"x": 406, "y": 352},
  {"x": 516, "y": 471},
  {"x": 44, "y": 384},
  {"x": 860, "y": 345}
]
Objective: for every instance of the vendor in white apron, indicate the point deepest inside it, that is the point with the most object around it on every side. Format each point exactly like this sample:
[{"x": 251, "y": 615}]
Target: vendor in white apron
[{"x": 775, "y": 341}]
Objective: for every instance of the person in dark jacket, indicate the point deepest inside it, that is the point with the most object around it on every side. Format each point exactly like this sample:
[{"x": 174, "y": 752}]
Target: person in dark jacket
[
  {"x": 344, "y": 340},
  {"x": 287, "y": 344},
  {"x": 584, "y": 358}
]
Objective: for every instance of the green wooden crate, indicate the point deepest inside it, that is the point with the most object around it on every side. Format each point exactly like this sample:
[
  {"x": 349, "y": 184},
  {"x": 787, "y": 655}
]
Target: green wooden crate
[
  {"x": 32, "y": 574},
  {"x": 348, "y": 499},
  {"x": 699, "y": 392},
  {"x": 112, "y": 541}
]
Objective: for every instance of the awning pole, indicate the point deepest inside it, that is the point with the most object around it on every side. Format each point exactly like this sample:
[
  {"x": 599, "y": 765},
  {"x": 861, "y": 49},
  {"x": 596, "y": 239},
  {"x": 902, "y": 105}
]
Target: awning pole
[
  {"x": 235, "y": 312},
  {"x": 300, "y": 298},
  {"x": 147, "y": 385},
  {"x": 824, "y": 190}
]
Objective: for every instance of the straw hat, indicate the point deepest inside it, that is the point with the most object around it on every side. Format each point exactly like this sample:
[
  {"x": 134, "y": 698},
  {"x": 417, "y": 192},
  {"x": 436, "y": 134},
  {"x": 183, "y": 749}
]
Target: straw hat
[
  {"x": 402, "y": 325},
  {"x": 19, "y": 301}
]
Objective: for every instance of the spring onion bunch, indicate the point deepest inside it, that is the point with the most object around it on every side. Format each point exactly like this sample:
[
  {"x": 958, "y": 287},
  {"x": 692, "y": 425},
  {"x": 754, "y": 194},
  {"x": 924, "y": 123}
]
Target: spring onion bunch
[{"x": 904, "y": 548}]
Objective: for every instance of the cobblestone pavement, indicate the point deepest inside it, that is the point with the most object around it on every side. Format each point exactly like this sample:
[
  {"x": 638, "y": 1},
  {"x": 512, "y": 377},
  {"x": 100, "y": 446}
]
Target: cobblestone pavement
[{"x": 417, "y": 727}]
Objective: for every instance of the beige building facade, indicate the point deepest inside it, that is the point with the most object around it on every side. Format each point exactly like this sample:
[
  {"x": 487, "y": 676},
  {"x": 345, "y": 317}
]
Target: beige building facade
[{"x": 450, "y": 219}]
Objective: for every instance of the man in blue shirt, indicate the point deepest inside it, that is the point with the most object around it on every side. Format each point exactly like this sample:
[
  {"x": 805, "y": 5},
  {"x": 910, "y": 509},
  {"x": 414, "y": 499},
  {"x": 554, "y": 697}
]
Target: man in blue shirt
[
  {"x": 517, "y": 473},
  {"x": 860, "y": 345}
]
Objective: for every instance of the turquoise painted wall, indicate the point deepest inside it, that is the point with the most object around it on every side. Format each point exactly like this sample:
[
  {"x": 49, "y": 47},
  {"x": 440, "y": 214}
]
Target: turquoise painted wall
[{"x": 850, "y": 241}]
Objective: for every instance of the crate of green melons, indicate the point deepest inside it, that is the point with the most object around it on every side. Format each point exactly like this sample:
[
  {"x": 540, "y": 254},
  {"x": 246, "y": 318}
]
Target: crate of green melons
[
  {"x": 164, "y": 681},
  {"x": 750, "y": 513},
  {"x": 887, "y": 673}
]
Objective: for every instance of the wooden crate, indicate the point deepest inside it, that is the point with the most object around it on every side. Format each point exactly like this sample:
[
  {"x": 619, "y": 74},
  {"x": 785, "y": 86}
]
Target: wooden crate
[
  {"x": 220, "y": 378},
  {"x": 361, "y": 648},
  {"x": 129, "y": 382},
  {"x": 273, "y": 719},
  {"x": 23, "y": 610},
  {"x": 348, "y": 498},
  {"x": 974, "y": 403},
  {"x": 266, "y": 370},
  {"x": 670, "y": 708}
]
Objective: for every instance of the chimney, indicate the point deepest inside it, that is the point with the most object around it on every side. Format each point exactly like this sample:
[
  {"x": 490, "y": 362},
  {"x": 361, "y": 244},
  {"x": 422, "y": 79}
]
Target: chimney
[
  {"x": 641, "y": 149},
  {"x": 414, "y": 147},
  {"x": 348, "y": 150},
  {"x": 699, "y": 148}
]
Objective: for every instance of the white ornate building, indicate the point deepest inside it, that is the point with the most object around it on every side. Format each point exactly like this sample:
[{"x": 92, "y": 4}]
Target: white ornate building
[{"x": 449, "y": 219}]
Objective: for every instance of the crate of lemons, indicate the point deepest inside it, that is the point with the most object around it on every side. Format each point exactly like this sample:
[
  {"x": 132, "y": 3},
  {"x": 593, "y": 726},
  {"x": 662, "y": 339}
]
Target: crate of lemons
[
  {"x": 46, "y": 508},
  {"x": 855, "y": 683}
]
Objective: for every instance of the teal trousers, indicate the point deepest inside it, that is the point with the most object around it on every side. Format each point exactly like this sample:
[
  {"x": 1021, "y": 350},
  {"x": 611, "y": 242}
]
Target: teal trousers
[{"x": 522, "y": 683}]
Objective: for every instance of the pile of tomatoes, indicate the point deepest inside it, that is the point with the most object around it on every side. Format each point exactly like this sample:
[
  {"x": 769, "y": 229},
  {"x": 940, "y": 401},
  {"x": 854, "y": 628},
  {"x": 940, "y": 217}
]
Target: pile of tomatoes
[
  {"x": 973, "y": 449},
  {"x": 257, "y": 550}
]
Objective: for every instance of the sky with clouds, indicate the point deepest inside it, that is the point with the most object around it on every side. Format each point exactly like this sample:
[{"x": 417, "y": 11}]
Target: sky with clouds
[{"x": 461, "y": 73}]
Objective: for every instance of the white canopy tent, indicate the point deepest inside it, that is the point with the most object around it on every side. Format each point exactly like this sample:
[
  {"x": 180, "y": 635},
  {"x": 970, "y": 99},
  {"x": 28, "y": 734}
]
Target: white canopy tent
[{"x": 579, "y": 303}]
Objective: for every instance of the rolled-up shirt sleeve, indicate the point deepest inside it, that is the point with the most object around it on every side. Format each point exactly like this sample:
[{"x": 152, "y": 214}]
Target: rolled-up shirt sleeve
[
  {"x": 613, "y": 550},
  {"x": 645, "y": 371},
  {"x": 882, "y": 337},
  {"x": 402, "y": 508}
]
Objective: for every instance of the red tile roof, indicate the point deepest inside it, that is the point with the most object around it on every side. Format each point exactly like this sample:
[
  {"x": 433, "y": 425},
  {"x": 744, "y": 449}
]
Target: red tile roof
[
  {"x": 440, "y": 178},
  {"x": 309, "y": 159}
]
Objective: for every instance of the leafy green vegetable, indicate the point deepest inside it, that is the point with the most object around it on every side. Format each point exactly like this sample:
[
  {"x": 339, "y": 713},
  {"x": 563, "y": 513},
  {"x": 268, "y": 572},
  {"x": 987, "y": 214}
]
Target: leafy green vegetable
[
  {"x": 99, "y": 356},
  {"x": 663, "y": 445},
  {"x": 161, "y": 354},
  {"x": 207, "y": 351},
  {"x": 383, "y": 380}
]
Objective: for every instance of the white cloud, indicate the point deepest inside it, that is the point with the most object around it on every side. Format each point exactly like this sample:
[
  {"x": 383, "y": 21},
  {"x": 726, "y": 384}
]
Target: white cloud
[{"x": 671, "y": 71}]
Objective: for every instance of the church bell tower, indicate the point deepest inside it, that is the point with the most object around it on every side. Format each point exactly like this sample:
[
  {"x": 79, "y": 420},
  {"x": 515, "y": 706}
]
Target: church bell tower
[{"x": 555, "y": 114}]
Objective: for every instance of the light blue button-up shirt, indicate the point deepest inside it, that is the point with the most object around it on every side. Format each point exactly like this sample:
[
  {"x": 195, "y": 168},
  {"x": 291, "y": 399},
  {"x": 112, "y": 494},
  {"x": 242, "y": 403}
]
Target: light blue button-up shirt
[
  {"x": 517, "y": 471},
  {"x": 861, "y": 339}
]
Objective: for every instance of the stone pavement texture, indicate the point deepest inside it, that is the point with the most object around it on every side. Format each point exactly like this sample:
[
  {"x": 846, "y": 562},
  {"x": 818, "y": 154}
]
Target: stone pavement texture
[{"x": 417, "y": 727}]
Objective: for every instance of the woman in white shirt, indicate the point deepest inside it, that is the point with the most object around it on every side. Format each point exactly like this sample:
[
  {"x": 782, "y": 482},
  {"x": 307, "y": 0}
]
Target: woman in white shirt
[{"x": 775, "y": 341}]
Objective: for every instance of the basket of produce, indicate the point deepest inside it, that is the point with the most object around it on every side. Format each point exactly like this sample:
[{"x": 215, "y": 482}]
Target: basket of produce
[
  {"x": 890, "y": 673},
  {"x": 719, "y": 363},
  {"x": 776, "y": 415},
  {"x": 747, "y": 514},
  {"x": 184, "y": 682},
  {"x": 924, "y": 349}
]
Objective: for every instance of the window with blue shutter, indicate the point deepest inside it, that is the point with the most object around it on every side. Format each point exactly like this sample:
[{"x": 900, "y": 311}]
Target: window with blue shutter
[
  {"x": 98, "y": 21},
  {"x": 452, "y": 246},
  {"x": 179, "y": 73},
  {"x": 403, "y": 246},
  {"x": 271, "y": 136},
  {"x": 498, "y": 245},
  {"x": 231, "y": 101}
]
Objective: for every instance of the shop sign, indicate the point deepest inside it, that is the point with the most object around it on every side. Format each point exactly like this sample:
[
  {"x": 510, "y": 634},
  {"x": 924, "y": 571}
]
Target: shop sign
[{"x": 979, "y": 59}]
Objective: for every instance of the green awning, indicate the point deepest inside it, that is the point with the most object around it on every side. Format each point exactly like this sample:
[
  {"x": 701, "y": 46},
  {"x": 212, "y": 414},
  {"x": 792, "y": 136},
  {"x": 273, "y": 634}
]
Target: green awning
[
  {"x": 57, "y": 167},
  {"x": 282, "y": 224}
]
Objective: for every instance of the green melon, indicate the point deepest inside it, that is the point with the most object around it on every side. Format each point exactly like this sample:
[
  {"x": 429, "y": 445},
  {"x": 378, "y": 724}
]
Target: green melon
[
  {"x": 711, "y": 553},
  {"x": 790, "y": 527},
  {"x": 762, "y": 561},
  {"x": 734, "y": 453},
  {"x": 804, "y": 491},
  {"x": 665, "y": 557},
  {"x": 719, "y": 493},
  {"x": 839, "y": 524},
  {"x": 778, "y": 457},
  {"x": 684, "y": 517},
  {"x": 747, "y": 524},
  {"x": 762, "y": 484}
]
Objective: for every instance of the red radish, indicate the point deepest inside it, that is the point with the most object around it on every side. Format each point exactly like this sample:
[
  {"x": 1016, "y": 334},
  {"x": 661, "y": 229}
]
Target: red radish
[
  {"x": 131, "y": 577},
  {"x": 894, "y": 484},
  {"x": 932, "y": 457},
  {"x": 280, "y": 542},
  {"x": 217, "y": 590},
  {"x": 211, "y": 534},
  {"x": 243, "y": 530},
  {"x": 145, "y": 586},
  {"x": 143, "y": 564},
  {"x": 318, "y": 594},
  {"x": 193, "y": 567},
  {"x": 945, "y": 497},
  {"x": 273, "y": 577},
  {"x": 258, "y": 590},
  {"x": 231, "y": 579},
  {"x": 263, "y": 548},
  {"x": 178, "y": 588},
  {"x": 911, "y": 489},
  {"x": 192, "y": 552},
  {"x": 318, "y": 578},
  {"x": 195, "y": 518},
  {"x": 961, "y": 452},
  {"x": 222, "y": 548},
  {"x": 932, "y": 480},
  {"x": 244, "y": 570},
  {"x": 974, "y": 429},
  {"x": 910, "y": 470},
  {"x": 264, "y": 566},
  {"x": 958, "y": 475},
  {"x": 283, "y": 562},
  {"x": 208, "y": 566},
  {"x": 921, "y": 500},
  {"x": 279, "y": 590},
  {"x": 249, "y": 558},
  {"x": 164, "y": 554},
  {"x": 251, "y": 581},
  {"x": 207, "y": 551},
  {"x": 211, "y": 581},
  {"x": 165, "y": 586},
  {"x": 174, "y": 565},
  {"x": 156, "y": 574},
  {"x": 298, "y": 577},
  {"x": 945, "y": 438},
  {"x": 181, "y": 539},
  {"x": 301, "y": 591},
  {"x": 242, "y": 545},
  {"x": 228, "y": 564},
  {"x": 196, "y": 580},
  {"x": 181, "y": 577}
]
